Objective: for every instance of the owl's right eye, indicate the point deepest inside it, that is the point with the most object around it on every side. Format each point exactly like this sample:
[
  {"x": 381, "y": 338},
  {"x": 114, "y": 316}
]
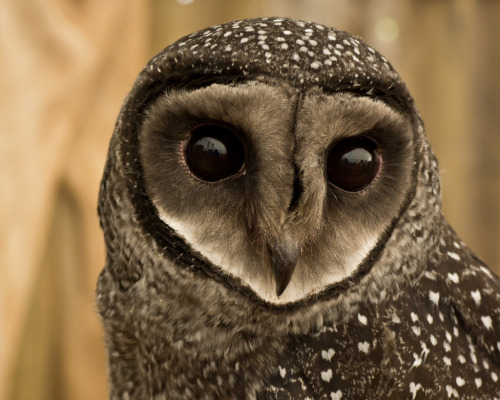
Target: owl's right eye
[{"x": 214, "y": 152}]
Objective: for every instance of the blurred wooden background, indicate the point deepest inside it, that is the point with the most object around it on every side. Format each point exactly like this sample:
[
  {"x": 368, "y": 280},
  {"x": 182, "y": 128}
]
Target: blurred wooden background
[{"x": 65, "y": 67}]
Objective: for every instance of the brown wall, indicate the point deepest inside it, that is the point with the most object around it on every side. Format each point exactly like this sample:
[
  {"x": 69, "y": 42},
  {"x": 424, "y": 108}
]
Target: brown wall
[{"x": 64, "y": 70}]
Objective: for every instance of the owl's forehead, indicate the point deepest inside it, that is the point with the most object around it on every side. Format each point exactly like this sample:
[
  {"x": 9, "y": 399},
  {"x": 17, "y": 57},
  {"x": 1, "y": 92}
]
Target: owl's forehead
[{"x": 303, "y": 54}]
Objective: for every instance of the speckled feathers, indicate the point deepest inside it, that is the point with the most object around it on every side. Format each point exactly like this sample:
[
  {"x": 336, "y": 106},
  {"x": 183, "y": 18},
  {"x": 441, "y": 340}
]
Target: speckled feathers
[{"x": 417, "y": 317}]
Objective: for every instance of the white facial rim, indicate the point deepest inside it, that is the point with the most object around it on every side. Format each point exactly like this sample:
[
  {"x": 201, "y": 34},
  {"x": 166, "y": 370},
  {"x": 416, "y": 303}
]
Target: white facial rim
[{"x": 298, "y": 289}]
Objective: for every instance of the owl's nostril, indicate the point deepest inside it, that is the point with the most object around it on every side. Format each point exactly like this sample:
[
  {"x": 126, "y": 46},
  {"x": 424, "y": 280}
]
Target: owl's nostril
[{"x": 298, "y": 189}]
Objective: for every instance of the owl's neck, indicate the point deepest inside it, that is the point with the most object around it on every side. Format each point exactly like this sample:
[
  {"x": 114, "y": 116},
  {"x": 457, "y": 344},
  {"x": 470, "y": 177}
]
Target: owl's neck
[{"x": 173, "y": 357}]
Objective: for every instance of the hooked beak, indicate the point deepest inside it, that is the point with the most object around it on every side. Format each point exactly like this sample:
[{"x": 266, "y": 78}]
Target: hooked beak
[{"x": 284, "y": 256}]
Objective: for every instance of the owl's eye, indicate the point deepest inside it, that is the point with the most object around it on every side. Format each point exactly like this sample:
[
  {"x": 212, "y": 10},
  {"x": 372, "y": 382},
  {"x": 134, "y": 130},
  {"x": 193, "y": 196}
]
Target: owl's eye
[
  {"x": 214, "y": 152},
  {"x": 353, "y": 163}
]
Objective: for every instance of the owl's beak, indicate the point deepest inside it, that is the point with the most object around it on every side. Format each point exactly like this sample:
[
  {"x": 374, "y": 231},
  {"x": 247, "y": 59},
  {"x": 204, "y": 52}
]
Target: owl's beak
[{"x": 284, "y": 256}]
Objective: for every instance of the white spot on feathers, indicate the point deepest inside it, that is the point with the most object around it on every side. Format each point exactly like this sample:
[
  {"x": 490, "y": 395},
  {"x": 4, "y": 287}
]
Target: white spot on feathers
[
  {"x": 453, "y": 277},
  {"x": 425, "y": 351},
  {"x": 487, "y": 322},
  {"x": 327, "y": 355},
  {"x": 485, "y": 270},
  {"x": 446, "y": 346},
  {"x": 450, "y": 391},
  {"x": 336, "y": 396},
  {"x": 430, "y": 275},
  {"x": 326, "y": 375},
  {"x": 417, "y": 362},
  {"x": 362, "y": 319},
  {"x": 434, "y": 297},
  {"x": 476, "y": 296},
  {"x": 414, "y": 388},
  {"x": 364, "y": 347}
]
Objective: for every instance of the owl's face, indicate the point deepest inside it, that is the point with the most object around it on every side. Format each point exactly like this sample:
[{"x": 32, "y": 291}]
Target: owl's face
[{"x": 289, "y": 191}]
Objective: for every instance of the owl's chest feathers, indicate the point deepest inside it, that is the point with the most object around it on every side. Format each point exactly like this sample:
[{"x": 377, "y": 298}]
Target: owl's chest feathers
[
  {"x": 214, "y": 363},
  {"x": 413, "y": 345}
]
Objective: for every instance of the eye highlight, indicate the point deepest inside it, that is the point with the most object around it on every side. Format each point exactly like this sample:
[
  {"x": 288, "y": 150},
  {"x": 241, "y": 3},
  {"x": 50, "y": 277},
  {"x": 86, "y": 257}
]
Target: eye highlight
[
  {"x": 353, "y": 163},
  {"x": 214, "y": 152}
]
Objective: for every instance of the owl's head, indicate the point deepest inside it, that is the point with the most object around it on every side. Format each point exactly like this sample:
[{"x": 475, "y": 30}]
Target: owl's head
[{"x": 280, "y": 160}]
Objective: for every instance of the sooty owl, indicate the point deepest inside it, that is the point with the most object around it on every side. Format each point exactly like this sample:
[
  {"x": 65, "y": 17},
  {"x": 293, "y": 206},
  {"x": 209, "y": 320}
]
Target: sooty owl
[{"x": 272, "y": 217}]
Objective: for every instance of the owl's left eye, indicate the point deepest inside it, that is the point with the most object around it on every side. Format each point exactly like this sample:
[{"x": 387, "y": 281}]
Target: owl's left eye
[
  {"x": 214, "y": 152},
  {"x": 353, "y": 163}
]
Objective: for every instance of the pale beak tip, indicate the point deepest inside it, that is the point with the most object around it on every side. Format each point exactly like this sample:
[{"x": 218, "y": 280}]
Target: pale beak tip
[
  {"x": 284, "y": 256},
  {"x": 280, "y": 288},
  {"x": 283, "y": 275}
]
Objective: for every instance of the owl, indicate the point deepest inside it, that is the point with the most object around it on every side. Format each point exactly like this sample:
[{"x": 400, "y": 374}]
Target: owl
[{"x": 272, "y": 218}]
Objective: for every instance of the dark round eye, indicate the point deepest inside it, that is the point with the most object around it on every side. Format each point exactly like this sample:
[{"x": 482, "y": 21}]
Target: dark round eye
[
  {"x": 214, "y": 152},
  {"x": 353, "y": 163}
]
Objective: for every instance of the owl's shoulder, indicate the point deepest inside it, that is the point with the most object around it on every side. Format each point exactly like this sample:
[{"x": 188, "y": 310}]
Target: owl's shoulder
[{"x": 457, "y": 278}]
